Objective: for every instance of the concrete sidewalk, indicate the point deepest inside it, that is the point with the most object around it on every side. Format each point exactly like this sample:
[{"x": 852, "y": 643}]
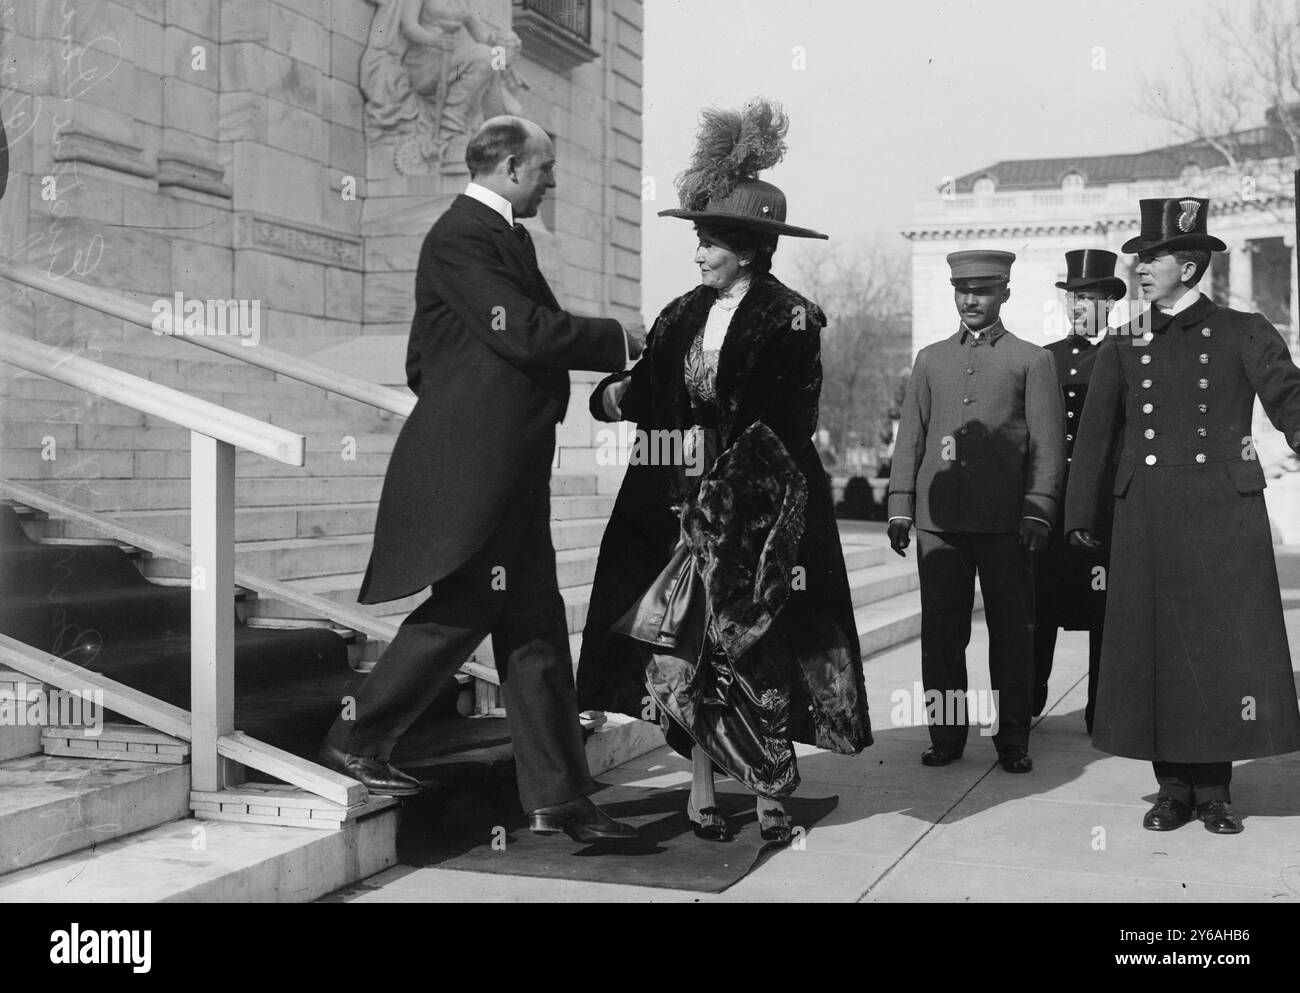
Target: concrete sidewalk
[{"x": 1069, "y": 831}]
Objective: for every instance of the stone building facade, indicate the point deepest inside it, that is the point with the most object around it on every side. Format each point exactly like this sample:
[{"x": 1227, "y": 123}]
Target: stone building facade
[{"x": 224, "y": 151}]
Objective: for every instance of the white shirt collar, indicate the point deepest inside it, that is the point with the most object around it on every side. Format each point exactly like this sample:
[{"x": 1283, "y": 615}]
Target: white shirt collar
[
  {"x": 1184, "y": 301},
  {"x": 490, "y": 199}
]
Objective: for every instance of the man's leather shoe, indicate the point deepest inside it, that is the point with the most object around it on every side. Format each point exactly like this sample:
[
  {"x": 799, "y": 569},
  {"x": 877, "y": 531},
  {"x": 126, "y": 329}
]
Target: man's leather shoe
[
  {"x": 375, "y": 775},
  {"x": 1168, "y": 814},
  {"x": 582, "y": 821},
  {"x": 940, "y": 755},
  {"x": 1219, "y": 818},
  {"x": 1015, "y": 760}
]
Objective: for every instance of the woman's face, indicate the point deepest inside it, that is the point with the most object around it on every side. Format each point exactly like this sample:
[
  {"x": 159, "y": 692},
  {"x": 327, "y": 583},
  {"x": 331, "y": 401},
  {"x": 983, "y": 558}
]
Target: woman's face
[{"x": 719, "y": 266}]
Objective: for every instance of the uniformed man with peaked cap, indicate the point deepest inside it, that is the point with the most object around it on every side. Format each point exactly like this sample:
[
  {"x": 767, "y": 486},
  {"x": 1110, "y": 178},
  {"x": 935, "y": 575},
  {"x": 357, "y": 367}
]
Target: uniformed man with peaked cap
[
  {"x": 977, "y": 468},
  {"x": 1071, "y": 583},
  {"x": 1195, "y": 667}
]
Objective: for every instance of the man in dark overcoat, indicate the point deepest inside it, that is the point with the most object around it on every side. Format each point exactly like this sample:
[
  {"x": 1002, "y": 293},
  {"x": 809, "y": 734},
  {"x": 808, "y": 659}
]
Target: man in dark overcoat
[
  {"x": 1195, "y": 668},
  {"x": 977, "y": 468},
  {"x": 1071, "y": 582},
  {"x": 465, "y": 508}
]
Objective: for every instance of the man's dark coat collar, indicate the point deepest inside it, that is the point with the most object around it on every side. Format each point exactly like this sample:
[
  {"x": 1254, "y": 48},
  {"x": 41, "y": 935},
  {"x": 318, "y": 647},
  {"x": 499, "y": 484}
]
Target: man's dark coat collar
[
  {"x": 1196, "y": 314},
  {"x": 485, "y": 214}
]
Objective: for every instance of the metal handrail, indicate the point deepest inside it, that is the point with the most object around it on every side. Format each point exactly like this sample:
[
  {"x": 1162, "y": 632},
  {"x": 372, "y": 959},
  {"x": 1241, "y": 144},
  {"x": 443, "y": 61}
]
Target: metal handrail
[{"x": 215, "y": 432}]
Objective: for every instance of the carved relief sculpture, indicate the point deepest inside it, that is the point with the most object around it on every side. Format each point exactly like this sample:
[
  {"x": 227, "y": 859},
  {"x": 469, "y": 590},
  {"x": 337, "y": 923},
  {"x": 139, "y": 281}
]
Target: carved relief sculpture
[{"x": 432, "y": 71}]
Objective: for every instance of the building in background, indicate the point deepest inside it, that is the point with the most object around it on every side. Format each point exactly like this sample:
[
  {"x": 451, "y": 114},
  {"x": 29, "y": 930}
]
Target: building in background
[{"x": 1042, "y": 208}]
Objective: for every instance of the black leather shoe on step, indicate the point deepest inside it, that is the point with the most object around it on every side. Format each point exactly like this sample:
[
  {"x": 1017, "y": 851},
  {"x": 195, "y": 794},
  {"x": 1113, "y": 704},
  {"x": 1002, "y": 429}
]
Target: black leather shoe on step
[
  {"x": 1168, "y": 814},
  {"x": 940, "y": 755},
  {"x": 1015, "y": 760},
  {"x": 375, "y": 775},
  {"x": 582, "y": 821},
  {"x": 1219, "y": 818}
]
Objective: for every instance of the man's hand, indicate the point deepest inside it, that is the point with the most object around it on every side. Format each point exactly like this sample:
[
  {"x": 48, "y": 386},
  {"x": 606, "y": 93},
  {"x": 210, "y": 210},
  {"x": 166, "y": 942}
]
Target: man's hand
[
  {"x": 1033, "y": 535},
  {"x": 635, "y": 334},
  {"x": 1084, "y": 540},
  {"x": 612, "y": 399},
  {"x": 900, "y": 535}
]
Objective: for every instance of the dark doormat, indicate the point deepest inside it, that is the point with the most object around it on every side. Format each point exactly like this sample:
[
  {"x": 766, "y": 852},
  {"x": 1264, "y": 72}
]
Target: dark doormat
[{"x": 438, "y": 829}]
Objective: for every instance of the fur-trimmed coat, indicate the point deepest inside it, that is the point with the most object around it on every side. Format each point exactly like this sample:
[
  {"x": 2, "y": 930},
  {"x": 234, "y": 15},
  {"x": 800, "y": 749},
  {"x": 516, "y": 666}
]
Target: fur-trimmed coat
[{"x": 769, "y": 373}]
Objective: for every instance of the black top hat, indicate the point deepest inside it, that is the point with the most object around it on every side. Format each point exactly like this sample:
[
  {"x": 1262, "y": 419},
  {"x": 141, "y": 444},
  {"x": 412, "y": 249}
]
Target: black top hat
[
  {"x": 1171, "y": 224},
  {"x": 752, "y": 204},
  {"x": 1092, "y": 268}
]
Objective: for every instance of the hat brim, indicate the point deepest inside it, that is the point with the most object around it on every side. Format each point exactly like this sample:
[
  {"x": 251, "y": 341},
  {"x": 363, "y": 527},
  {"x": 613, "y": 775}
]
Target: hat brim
[
  {"x": 980, "y": 282},
  {"x": 1189, "y": 242},
  {"x": 760, "y": 224},
  {"x": 1110, "y": 285}
]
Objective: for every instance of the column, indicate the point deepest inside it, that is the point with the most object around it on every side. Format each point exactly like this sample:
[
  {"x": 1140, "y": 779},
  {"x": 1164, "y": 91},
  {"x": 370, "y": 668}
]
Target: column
[{"x": 1241, "y": 288}]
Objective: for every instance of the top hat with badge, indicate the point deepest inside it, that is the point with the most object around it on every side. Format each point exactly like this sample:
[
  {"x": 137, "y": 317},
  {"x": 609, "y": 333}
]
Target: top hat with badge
[
  {"x": 1092, "y": 269},
  {"x": 722, "y": 187},
  {"x": 980, "y": 268},
  {"x": 1174, "y": 223}
]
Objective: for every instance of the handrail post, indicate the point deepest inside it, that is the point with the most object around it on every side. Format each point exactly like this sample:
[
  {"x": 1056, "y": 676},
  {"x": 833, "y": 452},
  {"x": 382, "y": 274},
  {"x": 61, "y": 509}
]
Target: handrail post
[{"x": 212, "y": 613}]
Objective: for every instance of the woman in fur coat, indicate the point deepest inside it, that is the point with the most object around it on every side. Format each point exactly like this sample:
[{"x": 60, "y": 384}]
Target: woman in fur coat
[{"x": 721, "y": 603}]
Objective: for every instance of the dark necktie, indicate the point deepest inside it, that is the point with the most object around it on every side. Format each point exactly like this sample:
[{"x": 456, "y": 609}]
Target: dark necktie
[{"x": 522, "y": 234}]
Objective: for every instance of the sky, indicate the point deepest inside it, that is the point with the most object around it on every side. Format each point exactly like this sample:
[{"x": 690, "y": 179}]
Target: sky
[{"x": 894, "y": 96}]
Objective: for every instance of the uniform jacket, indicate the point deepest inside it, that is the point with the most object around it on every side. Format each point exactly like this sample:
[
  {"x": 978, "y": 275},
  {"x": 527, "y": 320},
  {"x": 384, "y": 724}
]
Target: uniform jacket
[
  {"x": 488, "y": 359},
  {"x": 769, "y": 373},
  {"x": 1195, "y": 663},
  {"x": 1071, "y": 592},
  {"x": 981, "y": 441}
]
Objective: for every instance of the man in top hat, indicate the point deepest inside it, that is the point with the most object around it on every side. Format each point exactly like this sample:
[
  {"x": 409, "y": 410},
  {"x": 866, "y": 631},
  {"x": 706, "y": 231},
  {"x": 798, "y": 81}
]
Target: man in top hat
[
  {"x": 977, "y": 468},
  {"x": 1195, "y": 668},
  {"x": 1071, "y": 587}
]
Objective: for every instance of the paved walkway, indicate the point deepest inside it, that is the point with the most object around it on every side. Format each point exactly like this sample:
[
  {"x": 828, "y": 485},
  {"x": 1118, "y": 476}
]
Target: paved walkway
[{"x": 1069, "y": 831}]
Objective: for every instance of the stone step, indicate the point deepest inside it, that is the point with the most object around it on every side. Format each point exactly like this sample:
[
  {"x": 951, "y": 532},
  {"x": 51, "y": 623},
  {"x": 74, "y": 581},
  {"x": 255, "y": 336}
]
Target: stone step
[
  {"x": 887, "y": 623},
  {"x": 50, "y": 806},
  {"x": 880, "y": 582},
  {"x": 88, "y": 410},
  {"x": 201, "y": 861},
  {"x": 167, "y": 494}
]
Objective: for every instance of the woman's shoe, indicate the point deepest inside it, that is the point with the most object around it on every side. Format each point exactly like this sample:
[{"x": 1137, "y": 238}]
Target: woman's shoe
[
  {"x": 708, "y": 823},
  {"x": 774, "y": 824}
]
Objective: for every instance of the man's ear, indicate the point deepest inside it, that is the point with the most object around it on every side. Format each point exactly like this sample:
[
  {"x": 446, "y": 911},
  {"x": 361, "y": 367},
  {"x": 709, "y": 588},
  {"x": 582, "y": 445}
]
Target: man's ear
[{"x": 1006, "y": 293}]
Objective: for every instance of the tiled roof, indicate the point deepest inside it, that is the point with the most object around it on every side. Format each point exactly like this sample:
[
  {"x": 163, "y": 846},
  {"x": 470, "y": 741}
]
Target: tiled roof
[{"x": 1099, "y": 170}]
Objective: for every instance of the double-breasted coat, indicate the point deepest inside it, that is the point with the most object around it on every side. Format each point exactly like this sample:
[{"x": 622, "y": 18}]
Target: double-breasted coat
[
  {"x": 769, "y": 373},
  {"x": 1195, "y": 665},
  {"x": 1071, "y": 582},
  {"x": 489, "y": 356}
]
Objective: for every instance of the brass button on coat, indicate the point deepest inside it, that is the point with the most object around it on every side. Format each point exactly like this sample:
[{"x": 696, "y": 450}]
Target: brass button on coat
[{"x": 1152, "y": 460}]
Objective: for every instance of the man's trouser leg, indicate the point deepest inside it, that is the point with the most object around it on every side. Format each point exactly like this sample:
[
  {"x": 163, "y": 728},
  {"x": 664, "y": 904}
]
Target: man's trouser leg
[
  {"x": 946, "y": 565},
  {"x": 1006, "y": 572},
  {"x": 1193, "y": 783}
]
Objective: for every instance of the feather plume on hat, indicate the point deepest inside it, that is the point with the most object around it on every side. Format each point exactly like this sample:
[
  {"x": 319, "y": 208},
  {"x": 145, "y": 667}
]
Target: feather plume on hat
[{"x": 732, "y": 145}]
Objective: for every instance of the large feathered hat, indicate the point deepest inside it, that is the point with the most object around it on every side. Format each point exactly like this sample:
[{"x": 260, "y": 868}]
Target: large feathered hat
[{"x": 722, "y": 185}]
